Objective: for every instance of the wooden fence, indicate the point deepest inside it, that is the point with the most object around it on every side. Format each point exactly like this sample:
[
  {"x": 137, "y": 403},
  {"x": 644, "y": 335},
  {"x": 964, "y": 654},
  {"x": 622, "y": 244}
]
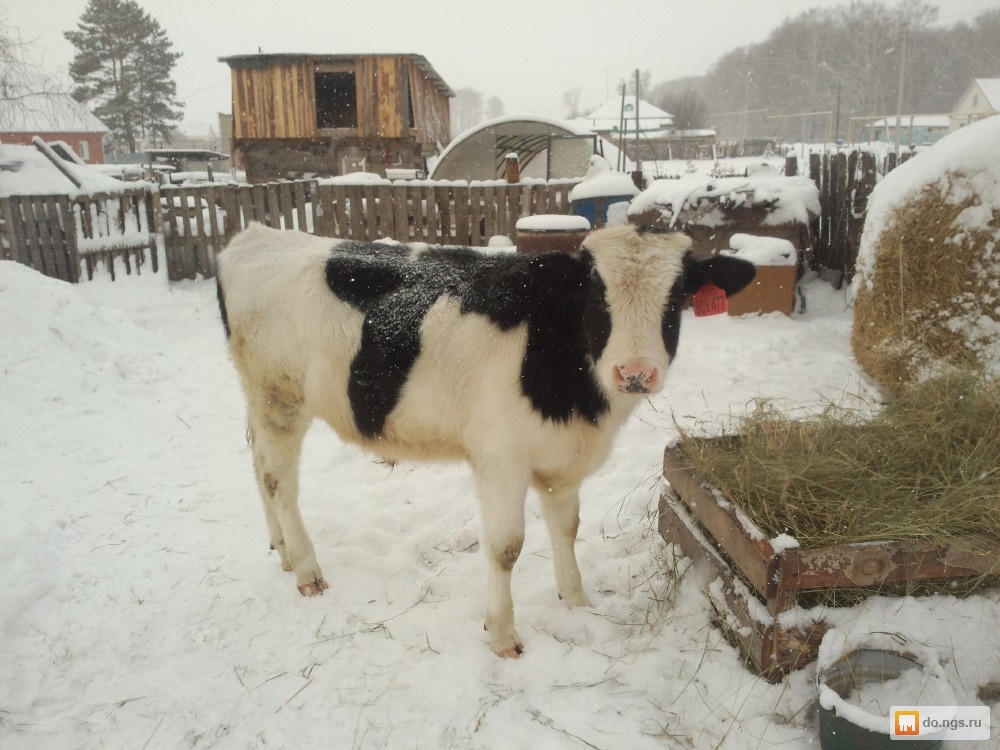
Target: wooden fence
[
  {"x": 845, "y": 181},
  {"x": 57, "y": 234}
]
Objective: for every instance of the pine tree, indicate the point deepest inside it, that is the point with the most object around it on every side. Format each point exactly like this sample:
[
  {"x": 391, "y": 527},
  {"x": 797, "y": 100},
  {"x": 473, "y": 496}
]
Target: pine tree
[{"x": 122, "y": 70}]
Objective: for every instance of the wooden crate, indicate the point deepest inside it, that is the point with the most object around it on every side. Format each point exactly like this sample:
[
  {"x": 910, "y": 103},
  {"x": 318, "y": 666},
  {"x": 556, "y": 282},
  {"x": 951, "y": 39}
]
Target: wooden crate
[{"x": 756, "y": 589}]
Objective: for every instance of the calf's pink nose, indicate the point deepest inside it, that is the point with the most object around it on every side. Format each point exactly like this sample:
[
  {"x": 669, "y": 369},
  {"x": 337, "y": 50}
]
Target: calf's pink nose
[{"x": 635, "y": 378}]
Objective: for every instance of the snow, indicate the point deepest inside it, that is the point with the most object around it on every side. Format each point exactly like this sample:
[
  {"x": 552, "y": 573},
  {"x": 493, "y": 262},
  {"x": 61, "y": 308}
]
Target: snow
[
  {"x": 601, "y": 182},
  {"x": 763, "y": 251},
  {"x": 140, "y": 606},
  {"x": 867, "y": 706},
  {"x": 972, "y": 153},
  {"x": 788, "y": 199},
  {"x": 552, "y": 223},
  {"x": 25, "y": 171}
]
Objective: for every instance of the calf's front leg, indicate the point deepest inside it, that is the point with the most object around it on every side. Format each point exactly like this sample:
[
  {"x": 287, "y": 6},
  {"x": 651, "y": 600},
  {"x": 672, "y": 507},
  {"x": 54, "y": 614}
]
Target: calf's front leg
[{"x": 561, "y": 509}]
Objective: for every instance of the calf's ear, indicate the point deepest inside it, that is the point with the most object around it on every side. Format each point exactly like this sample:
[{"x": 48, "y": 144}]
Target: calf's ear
[{"x": 728, "y": 273}]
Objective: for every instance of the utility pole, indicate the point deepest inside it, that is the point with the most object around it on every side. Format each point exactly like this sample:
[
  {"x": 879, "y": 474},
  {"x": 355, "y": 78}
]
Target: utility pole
[
  {"x": 905, "y": 33},
  {"x": 746, "y": 105},
  {"x": 638, "y": 161},
  {"x": 836, "y": 135}
]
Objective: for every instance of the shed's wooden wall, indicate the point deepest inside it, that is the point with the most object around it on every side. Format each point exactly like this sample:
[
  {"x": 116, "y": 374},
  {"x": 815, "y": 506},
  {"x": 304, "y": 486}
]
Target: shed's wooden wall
[
  {"x": 274, "y": 101},
  {"x": 278, "y": 100}
]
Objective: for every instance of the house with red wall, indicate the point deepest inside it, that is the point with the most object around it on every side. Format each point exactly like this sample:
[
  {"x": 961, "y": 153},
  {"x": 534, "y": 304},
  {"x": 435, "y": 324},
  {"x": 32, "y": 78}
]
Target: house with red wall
[{"x": 31, "y": 106}]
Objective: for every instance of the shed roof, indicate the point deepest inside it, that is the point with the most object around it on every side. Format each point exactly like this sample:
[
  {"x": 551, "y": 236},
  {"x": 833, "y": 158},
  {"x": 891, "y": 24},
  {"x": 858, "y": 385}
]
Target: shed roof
[{"x": 265, "y": 59}]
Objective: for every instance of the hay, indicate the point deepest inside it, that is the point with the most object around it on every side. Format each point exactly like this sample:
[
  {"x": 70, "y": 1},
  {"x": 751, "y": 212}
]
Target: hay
[
  {"x": 933, "y": 301},
  {"x": 926, "y": 467}
]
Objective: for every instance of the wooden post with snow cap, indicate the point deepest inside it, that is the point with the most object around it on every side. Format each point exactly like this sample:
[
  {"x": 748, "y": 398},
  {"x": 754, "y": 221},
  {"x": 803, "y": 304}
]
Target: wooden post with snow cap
[{"x": 513, "y": 166}]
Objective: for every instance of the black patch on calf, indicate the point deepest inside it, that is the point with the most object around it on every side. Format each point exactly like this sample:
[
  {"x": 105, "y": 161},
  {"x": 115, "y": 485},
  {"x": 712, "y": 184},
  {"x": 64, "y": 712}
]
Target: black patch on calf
[
  {"x": 548, "y": 292},
  {"x": 222, "y": 307}
]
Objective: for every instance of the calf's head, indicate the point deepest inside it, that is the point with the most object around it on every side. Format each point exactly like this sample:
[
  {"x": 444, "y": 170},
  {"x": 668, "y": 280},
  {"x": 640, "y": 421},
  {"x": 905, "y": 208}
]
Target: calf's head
[{"x": 639, "y": 284}]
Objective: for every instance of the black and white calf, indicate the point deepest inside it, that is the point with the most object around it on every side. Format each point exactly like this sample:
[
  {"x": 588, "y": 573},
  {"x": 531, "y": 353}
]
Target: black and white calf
[{"x": 525, "y": 366}]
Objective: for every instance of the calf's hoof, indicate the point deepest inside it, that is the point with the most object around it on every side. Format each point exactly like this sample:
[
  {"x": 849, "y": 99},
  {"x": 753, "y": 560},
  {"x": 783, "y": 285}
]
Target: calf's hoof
[
  {"x": 506, "y": 644},
  {"x": 313, "y": 588}
]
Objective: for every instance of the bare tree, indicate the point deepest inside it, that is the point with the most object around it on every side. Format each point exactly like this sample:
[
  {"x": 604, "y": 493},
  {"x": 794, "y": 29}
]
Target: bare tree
[
  {"x": 466, "y": 110},
  {"x": 571, "y": 99},
  {"x": 24, "y": 85}
]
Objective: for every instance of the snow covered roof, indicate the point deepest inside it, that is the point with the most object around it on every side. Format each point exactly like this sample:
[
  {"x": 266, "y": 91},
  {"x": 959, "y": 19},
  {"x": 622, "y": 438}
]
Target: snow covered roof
[
  {"x": 917, "y": 121},
  {"x": 25, "y": 171},
  {"x": 27, "y": 111},
  {"x": 609, "y": 116},
  {"x": 991, "y": 90}
]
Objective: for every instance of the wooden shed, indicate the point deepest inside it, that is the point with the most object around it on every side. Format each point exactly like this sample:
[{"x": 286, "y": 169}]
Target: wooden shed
[{"x": 304, "y": 114}]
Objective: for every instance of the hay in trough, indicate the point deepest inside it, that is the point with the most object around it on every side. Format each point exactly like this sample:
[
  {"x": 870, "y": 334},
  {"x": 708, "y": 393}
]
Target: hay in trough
[
  {"x": 927, "y": 293},
  {"x": 926, "y": 467}
]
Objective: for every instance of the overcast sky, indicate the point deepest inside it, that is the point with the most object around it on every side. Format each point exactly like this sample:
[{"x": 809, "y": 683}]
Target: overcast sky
[{"x": 527, "y": 52}]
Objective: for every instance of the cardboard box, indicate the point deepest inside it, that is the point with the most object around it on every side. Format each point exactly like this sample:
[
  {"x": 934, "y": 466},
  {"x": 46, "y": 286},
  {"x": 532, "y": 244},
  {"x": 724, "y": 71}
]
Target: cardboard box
[{"x": 772, "y": 290}]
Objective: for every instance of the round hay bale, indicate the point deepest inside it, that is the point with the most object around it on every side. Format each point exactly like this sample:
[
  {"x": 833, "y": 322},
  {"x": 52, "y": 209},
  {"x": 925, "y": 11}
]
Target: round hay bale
[{"x": 927, "y": 288}]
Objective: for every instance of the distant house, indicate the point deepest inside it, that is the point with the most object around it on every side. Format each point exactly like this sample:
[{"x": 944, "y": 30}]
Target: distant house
[
  {"x": 298, "y": 114},
  {"x": 916, "y": 130},
  {"x": 616, "y": 117},
  {"x": 646, "y": 133},
  {"x": 981, "y": 99},
  {"x": 54, "y": 116}
]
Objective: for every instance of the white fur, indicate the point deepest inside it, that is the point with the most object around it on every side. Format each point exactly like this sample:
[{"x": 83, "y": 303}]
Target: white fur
[{"x": 293, "y": 341}]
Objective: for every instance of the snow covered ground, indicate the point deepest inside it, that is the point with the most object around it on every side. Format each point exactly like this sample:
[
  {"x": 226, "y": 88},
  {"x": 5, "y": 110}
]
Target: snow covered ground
[{"x": 140, "y": 606}]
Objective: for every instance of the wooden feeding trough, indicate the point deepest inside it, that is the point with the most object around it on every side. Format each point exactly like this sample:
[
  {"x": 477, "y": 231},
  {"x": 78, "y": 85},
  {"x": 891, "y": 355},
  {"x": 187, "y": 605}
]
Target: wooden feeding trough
[{"x": 757, "y": 586}]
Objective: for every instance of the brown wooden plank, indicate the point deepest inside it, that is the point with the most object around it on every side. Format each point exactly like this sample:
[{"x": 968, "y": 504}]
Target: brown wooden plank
[
  {"x": 356, "y": 208},
  {"x": 204, "y": 253},
  {"x": 213, "y": 197},
  {"x": 437, "y": 214},
  {"x": 10, "y": 231},
  {"x": 342, "y": 212},
  {"x": 69, "y": 229},
  {"x": 273, "y": 204},
  {"x": 258, "y": 204},
  {"x": 754, "y": 557},
  {"x": 771, "y": 649},
  {"x": 490, "y": 213},
  {"x": 245, "y": 215},
  {"x": 748, "y": 632},
  {"x": 57, "y": 238},
  {"x": 460, "y": 200},
  {"x": 32, "y": 242},
  {"x": 299, "y": 201},
  {"x": 191, "y": 203},
  {"x": 402, "y": 212},
  {"x": 512, "y": 208},
  {"x": 323, "y": 211},
  {"x": 386, "y": 212}
]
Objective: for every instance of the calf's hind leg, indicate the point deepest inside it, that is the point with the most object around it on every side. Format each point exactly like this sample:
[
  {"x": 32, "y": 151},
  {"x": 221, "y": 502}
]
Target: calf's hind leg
[{"x": 277, "y": 428}]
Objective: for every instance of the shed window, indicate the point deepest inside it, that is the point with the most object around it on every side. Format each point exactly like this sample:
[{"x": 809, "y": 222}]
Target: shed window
[
  {"x": 84, "y": 150},
  {"x": 336, "y": 100}
]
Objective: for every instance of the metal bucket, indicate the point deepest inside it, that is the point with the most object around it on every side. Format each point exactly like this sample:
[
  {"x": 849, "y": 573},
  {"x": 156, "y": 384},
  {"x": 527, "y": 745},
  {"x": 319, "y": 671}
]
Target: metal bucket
[{"x": 864, "y": 666}]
